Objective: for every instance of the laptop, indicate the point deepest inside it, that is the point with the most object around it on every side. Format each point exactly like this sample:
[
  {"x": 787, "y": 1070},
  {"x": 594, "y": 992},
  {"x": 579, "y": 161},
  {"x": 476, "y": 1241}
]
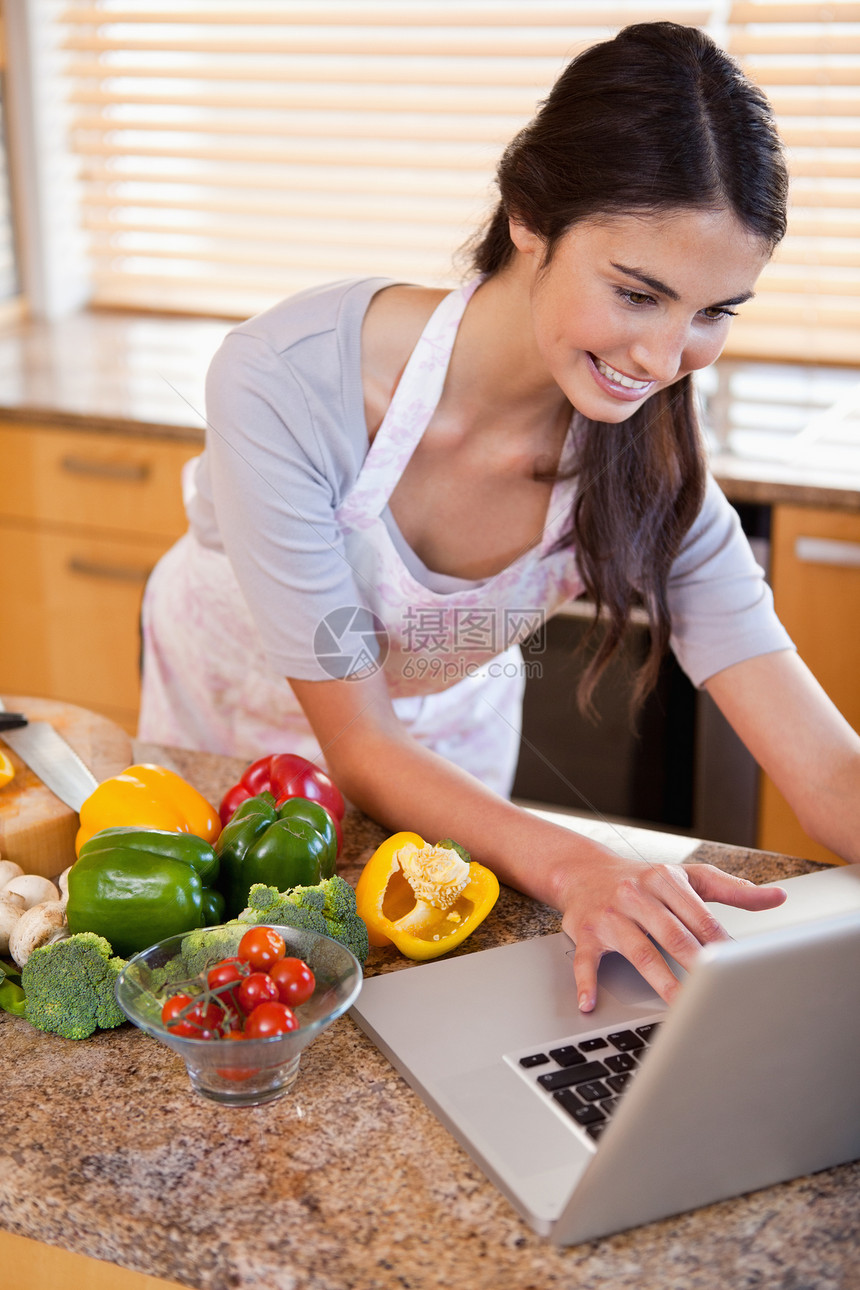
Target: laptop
[{"x": 592, "y": 1124}]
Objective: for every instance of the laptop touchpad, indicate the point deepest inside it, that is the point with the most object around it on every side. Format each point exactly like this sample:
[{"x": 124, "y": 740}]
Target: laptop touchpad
[{"x": 620, "y": 979}]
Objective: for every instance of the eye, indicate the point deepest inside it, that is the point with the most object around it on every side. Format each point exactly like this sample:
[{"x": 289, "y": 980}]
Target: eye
[
  {"x": 632, "y": 297},
  {"x": 715, "y": 312}
]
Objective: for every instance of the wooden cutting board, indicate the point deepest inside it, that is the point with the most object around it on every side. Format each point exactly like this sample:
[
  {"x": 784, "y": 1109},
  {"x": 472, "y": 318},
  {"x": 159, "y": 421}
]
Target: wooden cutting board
[{"x": 37, "y": 830}]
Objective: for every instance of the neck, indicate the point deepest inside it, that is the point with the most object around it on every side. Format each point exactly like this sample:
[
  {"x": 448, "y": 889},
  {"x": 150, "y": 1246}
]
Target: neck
[{"x": 496, "y": 370}]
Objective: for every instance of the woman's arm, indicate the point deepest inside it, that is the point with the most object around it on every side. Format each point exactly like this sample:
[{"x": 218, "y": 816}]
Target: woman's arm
[
  {"x": 801, "y": 740},
  {"x": 607, "y": 902}
]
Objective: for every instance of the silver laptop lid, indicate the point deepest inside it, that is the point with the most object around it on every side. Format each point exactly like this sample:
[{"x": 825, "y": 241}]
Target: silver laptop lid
[
  {"x": 753, "y": 1080},
  {"x": 447, "y": 1025}
]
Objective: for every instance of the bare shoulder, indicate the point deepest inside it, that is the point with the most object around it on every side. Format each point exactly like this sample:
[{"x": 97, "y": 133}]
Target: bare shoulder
[{"x": 392, "y": 326}]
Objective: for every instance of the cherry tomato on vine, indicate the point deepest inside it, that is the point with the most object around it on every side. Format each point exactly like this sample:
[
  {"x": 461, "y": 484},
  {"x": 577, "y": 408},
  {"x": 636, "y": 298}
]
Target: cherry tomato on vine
[
  {"x": 169, "y": 1011},
  {"x": 209, "y": 1017},
  {"x": 229, "y": 972},
  {"x": 256, "y": 989},
  {"x": 270, "y": 1019},
  {"x": 294, "y": 979},
  {"x": 201, "y": 1021},
  {"x": 261, "y": 947}
]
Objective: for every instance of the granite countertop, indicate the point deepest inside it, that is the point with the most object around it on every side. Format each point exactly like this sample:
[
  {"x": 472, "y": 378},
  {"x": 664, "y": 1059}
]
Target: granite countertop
[
  {"x": 120, "y": 372},
  {"x": 348, "y": 1182},
  {"x": 767, "y": 483},
  {"x": 109, "y": 372}
]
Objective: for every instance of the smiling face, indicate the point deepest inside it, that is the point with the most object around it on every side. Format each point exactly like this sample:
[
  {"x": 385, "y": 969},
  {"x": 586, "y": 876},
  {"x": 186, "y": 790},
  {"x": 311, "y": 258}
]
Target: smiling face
[{"x": 629, "y": 304}]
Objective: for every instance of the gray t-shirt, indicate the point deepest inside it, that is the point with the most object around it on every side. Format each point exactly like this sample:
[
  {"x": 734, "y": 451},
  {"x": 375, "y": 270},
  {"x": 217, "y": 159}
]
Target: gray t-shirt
[{"x": 286, "y": 440}]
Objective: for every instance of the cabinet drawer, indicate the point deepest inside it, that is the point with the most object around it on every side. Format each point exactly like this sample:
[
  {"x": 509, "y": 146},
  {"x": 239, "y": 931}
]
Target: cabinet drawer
[
  {"x": 71, "y": 610},
  {"x": 815, "y": 574},
  {"x": 115, "y": 482}
]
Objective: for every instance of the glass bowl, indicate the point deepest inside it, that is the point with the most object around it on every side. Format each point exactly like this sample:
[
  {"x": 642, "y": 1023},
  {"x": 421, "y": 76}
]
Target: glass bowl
[{"x": 255, "y": 1070}]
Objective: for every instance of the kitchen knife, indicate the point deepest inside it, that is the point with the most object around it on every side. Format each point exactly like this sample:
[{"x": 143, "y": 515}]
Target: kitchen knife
[
  {"x": 11, "y": 721},
  {"x": 53, "y": 759}
]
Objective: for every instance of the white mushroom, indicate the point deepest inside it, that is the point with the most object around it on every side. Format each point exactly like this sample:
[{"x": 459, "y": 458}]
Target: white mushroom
[
  {"x": 40, "y": 925},
  {"x": 9, "y": 870},
  {"x": 35, "y": 889},
  {"x": 63, "y": 883},
  {"x": 10, "y": 913}
]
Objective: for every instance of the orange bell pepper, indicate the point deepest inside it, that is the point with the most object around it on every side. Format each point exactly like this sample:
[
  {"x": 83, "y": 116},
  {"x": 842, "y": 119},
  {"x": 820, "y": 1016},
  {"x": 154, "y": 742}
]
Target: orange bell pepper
[
  {"x": 424, "y": 899},
  {"x": 149, "y": 797}
]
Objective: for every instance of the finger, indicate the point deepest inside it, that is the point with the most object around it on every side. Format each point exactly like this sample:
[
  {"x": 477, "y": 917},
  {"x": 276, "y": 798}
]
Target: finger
[
  {"x": 646, "y": 958},
  {"x": 661, "y": 902},
  {"x": 676, "y": 915},
  {"x": 680, "y": 931},
  {"x": 586, "y": 960},
  {"x": 712, "y": 884},
  {"x": 638, "y": 949}
]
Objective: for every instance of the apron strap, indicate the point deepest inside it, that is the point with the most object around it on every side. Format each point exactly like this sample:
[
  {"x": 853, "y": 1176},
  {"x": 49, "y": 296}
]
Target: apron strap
[
  {"x": 559, "y": 511},
  {"x": 414, "y": 402}
]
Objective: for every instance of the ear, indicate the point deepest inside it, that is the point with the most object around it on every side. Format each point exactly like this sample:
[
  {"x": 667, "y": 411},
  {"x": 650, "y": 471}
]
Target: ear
[{"x": 525, "y": 240}]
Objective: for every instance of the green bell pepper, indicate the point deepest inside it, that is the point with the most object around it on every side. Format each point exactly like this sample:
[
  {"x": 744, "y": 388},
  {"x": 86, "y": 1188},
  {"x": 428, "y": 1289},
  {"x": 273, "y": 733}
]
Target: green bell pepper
[
  {"x": 294, "y": 845},
  {"x": 135, "y": 886},
  {"x": 11, "y": 995},
  {"x": 214, "y": 907}
]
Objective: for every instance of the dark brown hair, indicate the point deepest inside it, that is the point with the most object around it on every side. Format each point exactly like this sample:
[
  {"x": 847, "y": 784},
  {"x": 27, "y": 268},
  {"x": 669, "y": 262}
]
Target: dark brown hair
[{"x": 658, "y": 118}]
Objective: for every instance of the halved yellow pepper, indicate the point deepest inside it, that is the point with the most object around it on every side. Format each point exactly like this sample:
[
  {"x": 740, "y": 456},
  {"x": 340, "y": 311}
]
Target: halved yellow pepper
[
  {"x": 424, "y": 899},
  {"x": 150, "y": 797}
]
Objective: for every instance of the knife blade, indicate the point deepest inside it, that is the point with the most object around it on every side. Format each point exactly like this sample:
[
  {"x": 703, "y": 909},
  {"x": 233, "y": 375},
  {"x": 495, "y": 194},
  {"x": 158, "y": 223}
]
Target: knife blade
[{"x": 54, "y": 760}]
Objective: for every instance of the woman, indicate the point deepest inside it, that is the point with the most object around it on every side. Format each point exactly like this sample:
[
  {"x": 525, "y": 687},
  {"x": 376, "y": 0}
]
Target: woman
[{"x": 399, "y": 481}]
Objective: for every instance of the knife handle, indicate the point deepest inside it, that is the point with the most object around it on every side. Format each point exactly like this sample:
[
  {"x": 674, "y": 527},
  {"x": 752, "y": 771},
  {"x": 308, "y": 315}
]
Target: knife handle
[{"x": 12, "y": 720}]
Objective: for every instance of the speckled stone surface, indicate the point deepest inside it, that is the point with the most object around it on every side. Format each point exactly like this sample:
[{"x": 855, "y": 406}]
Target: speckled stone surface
[{"x": 348, "y": 1183}]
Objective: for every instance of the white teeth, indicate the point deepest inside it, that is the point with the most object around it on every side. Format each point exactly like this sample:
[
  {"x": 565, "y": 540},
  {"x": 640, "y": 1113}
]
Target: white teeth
[{"x": 618, "y": 377}]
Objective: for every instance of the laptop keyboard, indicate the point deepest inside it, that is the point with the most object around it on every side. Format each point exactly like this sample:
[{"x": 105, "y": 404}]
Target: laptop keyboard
[{"x": 586, "y": 1078}]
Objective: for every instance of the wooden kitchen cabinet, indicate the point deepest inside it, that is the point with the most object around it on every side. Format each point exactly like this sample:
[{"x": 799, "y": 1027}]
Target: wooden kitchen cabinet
[
  {"x": 815, "y": 574},
  {"x": 84, "y": 516}
]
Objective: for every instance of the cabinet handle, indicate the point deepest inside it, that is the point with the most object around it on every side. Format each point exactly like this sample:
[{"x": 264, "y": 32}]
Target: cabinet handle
[
  {"x": 828, "y": 551},
  {"x": 134, "y": 471},
  {"x": 113, "y": 572}
]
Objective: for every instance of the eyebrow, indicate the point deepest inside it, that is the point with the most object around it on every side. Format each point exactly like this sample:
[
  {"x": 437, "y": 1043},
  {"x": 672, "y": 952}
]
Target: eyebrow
[{"x": 656, "y": 285}]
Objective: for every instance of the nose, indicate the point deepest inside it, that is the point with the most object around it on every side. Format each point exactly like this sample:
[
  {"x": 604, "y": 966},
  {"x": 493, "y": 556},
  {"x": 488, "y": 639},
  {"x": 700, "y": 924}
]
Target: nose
[{"x": 660, "y": 351}]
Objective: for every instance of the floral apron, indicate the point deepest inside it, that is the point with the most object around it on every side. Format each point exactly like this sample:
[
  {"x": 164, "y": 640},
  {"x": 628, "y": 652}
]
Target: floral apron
[{"x": 451, "y": 658}]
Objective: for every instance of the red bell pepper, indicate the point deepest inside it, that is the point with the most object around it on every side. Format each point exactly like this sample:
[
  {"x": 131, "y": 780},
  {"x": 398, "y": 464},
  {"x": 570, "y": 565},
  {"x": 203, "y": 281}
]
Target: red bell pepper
[{"x": 286, "y": 775}]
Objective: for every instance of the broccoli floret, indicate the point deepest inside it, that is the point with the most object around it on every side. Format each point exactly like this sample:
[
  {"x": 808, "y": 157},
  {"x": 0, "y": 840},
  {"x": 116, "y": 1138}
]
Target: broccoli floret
[
  {"x": 205, "y": 946},
  {"x": 69, "y": 986},
  {"x": 172, "y": 970},
  {"x": 328, "y": 908}
]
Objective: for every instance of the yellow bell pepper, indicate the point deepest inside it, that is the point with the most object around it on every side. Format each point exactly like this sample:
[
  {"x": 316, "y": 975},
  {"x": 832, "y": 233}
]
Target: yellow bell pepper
[
  {"x": 425, "y": 899},
  {"x": 7, "y": 770},
  {"x": 150, "y": 797}
]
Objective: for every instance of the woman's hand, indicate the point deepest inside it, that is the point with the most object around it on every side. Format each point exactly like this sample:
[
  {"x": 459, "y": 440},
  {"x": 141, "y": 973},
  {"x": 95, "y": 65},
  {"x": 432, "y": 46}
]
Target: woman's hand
[
  {"x": 607, "y": 902},
  {"x": 620, "y": 904}
]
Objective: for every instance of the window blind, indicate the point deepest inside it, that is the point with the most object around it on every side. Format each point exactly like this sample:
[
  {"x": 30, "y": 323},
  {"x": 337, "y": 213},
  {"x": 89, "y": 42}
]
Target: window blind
[
  {"x": 806, "y": 57},
  {"x": 8, "y": 270},
  {"x": 229, "y": 155}
]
